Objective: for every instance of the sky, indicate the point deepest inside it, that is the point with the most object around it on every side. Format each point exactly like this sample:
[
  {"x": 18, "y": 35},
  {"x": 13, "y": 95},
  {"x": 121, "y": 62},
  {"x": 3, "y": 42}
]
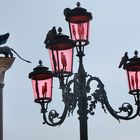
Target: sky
[{"x": 115, "y": 29}]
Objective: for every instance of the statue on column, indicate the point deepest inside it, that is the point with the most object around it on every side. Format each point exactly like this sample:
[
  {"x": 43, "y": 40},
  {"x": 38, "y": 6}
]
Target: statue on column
[{"x": 7, "y": 51}]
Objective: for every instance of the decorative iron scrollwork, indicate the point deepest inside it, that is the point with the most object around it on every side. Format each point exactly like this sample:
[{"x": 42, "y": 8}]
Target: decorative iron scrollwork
[
  {"x": 52, "y": 116},
  {"x": 99, "y": 95}
]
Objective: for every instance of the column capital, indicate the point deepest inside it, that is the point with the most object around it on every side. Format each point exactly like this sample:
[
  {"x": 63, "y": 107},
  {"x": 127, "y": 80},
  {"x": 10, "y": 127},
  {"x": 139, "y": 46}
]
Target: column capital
[{"x": 5, "y": 64}]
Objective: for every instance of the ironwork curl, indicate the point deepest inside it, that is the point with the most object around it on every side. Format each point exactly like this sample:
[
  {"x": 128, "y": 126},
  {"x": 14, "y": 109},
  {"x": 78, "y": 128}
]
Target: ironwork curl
[
  {"x": 52, "y": 115},
  {"x": 94, "y": 98},
  {"x": 99, "y": 95},
  {"x": 70, "y": 102}
]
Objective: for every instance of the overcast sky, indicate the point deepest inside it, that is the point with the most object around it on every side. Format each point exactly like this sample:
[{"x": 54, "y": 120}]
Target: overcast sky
[{"x": 115, "y": 29}]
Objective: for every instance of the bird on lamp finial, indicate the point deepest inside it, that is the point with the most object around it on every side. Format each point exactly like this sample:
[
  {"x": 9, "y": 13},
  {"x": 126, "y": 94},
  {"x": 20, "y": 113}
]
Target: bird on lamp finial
[{"x": 124, "y": 60}]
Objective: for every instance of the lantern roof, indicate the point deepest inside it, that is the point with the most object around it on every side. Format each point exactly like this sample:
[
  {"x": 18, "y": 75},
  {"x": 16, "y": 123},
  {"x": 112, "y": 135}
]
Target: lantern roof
[
  {"x": 77, "y": 15},
  {"x": 40, "y": 72},
  {"x": 60, "y": 42},
  {"x": 133, "y": 64}
]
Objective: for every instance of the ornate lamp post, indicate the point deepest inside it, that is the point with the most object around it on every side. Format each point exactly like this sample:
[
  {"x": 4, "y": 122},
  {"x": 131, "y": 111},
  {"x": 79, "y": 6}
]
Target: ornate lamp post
[{"x": 76, "y": 91}]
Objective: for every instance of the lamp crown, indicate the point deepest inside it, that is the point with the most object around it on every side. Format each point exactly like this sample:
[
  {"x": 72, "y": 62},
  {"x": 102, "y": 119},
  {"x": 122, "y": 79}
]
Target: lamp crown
[{"x": 77, "y": 11}]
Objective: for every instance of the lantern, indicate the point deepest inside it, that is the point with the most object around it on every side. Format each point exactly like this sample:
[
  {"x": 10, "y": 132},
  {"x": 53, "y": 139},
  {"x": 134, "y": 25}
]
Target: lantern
[
  {"x": 42, "y": 83},
  {"x": 61, "y": 54},
  {"x": 78, "y": 19},
  {"x": 133, "y": 74}
]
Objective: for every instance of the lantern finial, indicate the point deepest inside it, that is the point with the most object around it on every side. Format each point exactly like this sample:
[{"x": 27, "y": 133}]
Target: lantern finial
[
  {"x": 136, "y": 54},
  {"x": 78, "y": 4},
  {"x": 40, "y": 62},
  {"x": 59, "y": 30}
]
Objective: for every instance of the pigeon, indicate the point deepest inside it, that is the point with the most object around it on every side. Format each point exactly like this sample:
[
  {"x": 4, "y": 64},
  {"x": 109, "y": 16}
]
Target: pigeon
[
  {"x": 3, "y": 38},
  {"x": 67, "y": 11},
  {"x": 50, "y": 35},
  {"x": 124, "y": 60}
]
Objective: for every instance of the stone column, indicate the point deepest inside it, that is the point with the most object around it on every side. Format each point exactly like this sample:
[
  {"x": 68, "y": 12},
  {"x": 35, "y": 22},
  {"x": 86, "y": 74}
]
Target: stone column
[{"x": 5, "y": 64}]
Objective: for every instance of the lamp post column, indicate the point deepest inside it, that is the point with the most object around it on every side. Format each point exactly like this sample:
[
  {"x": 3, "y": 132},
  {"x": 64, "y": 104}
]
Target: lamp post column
[
  {"x": 5, "y": 64},
  {"x": 83, "y": 118},
  {"x": 82, "y": 100}
]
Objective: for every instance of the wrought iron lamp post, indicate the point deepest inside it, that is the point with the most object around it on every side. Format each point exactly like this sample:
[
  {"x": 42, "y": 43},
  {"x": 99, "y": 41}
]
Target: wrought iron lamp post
[{"x": 76, "y": 91}]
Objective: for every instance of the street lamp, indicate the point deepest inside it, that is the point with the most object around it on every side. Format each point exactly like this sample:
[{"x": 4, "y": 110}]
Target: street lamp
[
  {"x": 42, "y": 84},
  {"x": 78, "y": 19},
  {"x": 76, "y": 91},
  {"x": 61, "y": 54}
]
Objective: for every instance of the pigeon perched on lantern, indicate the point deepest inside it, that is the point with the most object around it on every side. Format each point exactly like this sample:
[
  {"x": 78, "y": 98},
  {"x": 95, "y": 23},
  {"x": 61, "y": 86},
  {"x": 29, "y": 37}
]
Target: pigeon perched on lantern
[
  {"x": 50, "y": 35},
  {"x": 132, "y": 67},
  {"x": 61, "y": 53}
]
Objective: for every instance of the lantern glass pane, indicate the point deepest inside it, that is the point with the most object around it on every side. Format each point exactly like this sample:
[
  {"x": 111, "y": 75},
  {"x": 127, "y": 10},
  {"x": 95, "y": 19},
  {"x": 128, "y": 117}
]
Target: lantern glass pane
[
  {"x": 134, "y": 80},
  {"x": 42, "y": 89},
  {"x": 79, "y": 31},
  {"x": 61, "y": 60}
]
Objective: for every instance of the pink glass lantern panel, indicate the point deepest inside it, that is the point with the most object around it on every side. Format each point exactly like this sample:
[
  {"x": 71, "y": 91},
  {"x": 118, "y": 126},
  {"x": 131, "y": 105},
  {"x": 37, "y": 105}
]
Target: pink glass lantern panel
[
  {"x": 61, "y": 60},
  {"x": 79, "y": 31},
  {"x": 42, "y": 89},
  {"x": 134, "y": 81}
]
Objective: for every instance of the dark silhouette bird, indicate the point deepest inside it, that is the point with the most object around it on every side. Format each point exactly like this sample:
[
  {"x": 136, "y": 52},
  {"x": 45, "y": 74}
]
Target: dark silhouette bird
[
  {"x": 124, "y": 60},
  {"x": 50, "y": 35},
  {"x": 3, "y": 38},
  {"x": 67, "y": 11}
]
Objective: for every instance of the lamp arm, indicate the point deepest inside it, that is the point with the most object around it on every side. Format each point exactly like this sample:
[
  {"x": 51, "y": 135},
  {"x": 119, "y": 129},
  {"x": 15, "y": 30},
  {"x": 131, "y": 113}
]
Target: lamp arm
[
  {"x": 69, "y": 100},
  {"x": 99, "y": 95}
]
